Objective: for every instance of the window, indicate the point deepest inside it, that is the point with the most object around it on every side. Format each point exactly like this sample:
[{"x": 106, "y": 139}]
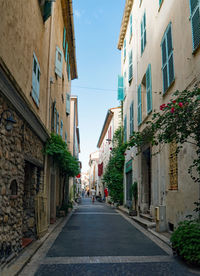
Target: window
[
  {"x": 167, "y": 59},
  {"x": 120, "y": 88},
  {"x": 58, "y": 62},
  {"x": 125, "y": 129},
  {"x": 57, "y": 123},
  {"x": 143, "y": 33},
  {"x": 149, "y": 89},
  {"x": 46, "y": 8},
  {"x": 130, "y": 72},
  {"x": 131, "y": 27},
  {"x": 131, "y": 119},
  {"x": 139, "y": 105},
  {"x": 173, "y": 166},
  {"x": 66, "y": 137},
  {"x": 124, "y": 49},
  {"x": 53, "y": 117},
  {"x": 61, "y": 128},
  {"x": 195, "y": 22},
  {"x": 67, "y": 103},
  {"x": 66, "y": 49},
  {"x": 13, "y": 188},
  {"x": 35, "y": 80}
]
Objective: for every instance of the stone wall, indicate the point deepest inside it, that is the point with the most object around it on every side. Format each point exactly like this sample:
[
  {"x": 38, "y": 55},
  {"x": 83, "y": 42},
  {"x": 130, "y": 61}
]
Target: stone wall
[{"x": 15, "y": 145}]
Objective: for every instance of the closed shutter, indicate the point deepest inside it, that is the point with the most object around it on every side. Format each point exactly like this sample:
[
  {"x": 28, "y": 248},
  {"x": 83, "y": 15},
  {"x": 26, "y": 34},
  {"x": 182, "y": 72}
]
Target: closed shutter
[
  {"x": 125, "y": 129},
  {"x": 124, "y": 48},
  {"x": 67, "y": 103},
  {"x": 131, "y": 27},
  {"x": 120, "y": 88},
  {"x": 66, "y": 51},
  {"x": 143, "y": 33},
  {"x": 130, "y": 75},
  {"x": 139, "y": 105},
  {"x": 131, "y": 119},
  {"x": 61, "y": 128},
  {"x": 64, "y": 37},
  {"x": 66, "y": 137},
  {"x": 35, "y": 80},
  {"x": 57, "y": 123},
  {"x": 58, "y": 62},
  {"x": 195, "y": 21},
  {"x": 47, "y": 10},
  {"x": 144, "y": 30},
  {"x": 149, "y": 89},
  {"x": 142, "y": 43}
]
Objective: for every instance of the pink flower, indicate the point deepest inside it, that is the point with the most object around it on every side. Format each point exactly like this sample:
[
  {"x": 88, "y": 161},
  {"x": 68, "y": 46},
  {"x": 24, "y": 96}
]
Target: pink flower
[
  {"x": 172, "y": 110},
  {"x": 180, "y": 104}
]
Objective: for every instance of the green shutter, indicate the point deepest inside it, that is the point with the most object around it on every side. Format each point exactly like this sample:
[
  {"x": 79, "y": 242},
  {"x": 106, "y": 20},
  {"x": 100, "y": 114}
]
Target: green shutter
[
  {"x": 149, "y": 89},
  {"x": 131, "y": 119},
  {"x": 143, "y": 33},
  {"x": 58, "y": 62},
  {"x": 61, "y": 128},
  {"x": 160, "y": 2},
  {"x": 142, "y": 49},
  {"x": 57, "y": 122},
  {"x": 64, "y": 37},
  {"x": 47, "y": 10},
  {"x": 125, "y": 129},
  {"x": 67, "y": 103},
  {"x": 144, "y": 30},
  {"x": 131, "y": 27},
  {"x": 195, "y": 22},
  {"x": 139, "y": 105},
  {"x": 120, "y": 88},
  {"x": 66, "y": 51},
  {"x": 130, "y": 74},
  {"x": 35, "y": 80}
]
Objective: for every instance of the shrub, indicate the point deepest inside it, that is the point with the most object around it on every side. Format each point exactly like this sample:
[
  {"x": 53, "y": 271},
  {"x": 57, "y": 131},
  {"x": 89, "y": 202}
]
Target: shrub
[{"x": 186, "y": 241}]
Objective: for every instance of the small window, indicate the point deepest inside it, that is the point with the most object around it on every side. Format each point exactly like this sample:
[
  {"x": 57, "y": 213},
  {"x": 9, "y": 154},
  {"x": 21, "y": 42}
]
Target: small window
[
  {"x": 13, "y": 188},
  {"x": 35, "y": 93},
  {"x": 143, "y": 33},
  {"x": 167, "y": 59},
  {"x": 58, "y": 62},
  {"x": 61, "y": 128},
  {"x": 67, "y": 103}
]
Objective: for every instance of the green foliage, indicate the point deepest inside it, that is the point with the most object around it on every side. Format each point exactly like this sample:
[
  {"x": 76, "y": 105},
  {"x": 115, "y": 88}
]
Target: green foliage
[
  {"x": 57, "y": 148},
  {"x": 186, "y": 241},
  {"x": 113, "y": 175}
]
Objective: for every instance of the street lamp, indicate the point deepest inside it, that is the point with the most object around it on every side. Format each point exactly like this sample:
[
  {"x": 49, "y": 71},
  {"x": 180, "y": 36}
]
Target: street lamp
[{"x": 8, "y": 118}]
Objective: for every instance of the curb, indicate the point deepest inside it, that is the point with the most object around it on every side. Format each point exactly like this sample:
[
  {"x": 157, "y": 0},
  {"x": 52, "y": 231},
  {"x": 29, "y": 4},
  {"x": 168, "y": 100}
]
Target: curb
[{"x": 17, "y": 264}]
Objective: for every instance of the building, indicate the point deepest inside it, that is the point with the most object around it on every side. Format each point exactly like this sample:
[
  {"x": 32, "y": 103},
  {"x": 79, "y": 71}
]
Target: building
[
  {"x": 111, "y": 124},
  {"x": 37, "y": 64},
  {"x": 93, "y": 170},
  {"x": 159, "y": 43}
]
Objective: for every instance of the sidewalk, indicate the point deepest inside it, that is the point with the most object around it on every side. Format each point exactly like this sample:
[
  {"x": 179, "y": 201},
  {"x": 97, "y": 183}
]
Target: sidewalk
[
  {"x": 165, "y": 237},
  {"x": 14, "y": 267}
]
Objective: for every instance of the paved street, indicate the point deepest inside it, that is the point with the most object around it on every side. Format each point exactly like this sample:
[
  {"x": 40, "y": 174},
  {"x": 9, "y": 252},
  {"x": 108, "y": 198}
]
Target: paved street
[{"x": 98, "y": 240}]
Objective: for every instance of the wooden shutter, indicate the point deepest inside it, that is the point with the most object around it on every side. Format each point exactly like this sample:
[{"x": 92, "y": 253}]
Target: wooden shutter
[
  {"x": 125, "y": 129},
  {"x": 131, "y": 26},
  {"x": 195, "y": 22},
  {"x": 120, "y": 88},
  {"x": 142, "y": 43},
  {"x": 66, "y": 137},
  {"x": 58, "y": 62},
  {"x": 170, "y": 55},
  {"x": 149, "y": 89},
  {"x": 124, "y": 48},
  {"x": 57, "y": 123},
  {"x": 66, "y": 51},
  {"x": 47, "y": 10},
  {"x": 61, "y": 128},
  {"x": 35, "y": 80},
  {"x": 144, "y": 29},
  {"x": 131, "y": 119},
  {"x": 64, "y": 37},
  {"x": 130, "y": 74},
  {"x": 139, "y": 105},
  {"x": 67, "y": 103}
]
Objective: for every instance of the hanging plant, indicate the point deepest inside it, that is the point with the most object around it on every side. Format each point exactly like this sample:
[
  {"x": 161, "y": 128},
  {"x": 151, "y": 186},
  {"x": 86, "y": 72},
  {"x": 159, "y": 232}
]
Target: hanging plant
[{"x": 57, "y": 148}]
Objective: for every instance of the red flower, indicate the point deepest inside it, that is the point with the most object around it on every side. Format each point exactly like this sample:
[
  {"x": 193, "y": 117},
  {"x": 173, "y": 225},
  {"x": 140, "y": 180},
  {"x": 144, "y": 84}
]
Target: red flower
[
  {"x": 174, "y": 102},
  {"x": 110, "y": 148},
  {"x": 162, "y": 106},
  {"x": 125, "y": 154},
  {"x": 172, "y": 110},
  {"x": 180, "y": 104}
]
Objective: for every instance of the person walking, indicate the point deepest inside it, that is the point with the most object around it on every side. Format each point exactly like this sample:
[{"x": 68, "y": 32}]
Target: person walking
[{"x": 93, "y": 195}]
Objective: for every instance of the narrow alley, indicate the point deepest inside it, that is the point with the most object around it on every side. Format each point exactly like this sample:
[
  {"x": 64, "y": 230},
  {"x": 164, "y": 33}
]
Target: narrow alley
[{"x": 99, "y": 240}]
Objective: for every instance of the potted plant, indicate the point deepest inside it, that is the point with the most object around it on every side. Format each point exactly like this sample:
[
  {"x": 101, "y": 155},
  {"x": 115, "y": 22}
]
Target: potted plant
[{"x": 134, "y": 194}]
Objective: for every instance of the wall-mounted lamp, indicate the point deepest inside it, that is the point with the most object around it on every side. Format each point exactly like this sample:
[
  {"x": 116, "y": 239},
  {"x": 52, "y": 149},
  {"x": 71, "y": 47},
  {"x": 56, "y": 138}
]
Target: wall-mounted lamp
[{"x": 7, "y": 116}]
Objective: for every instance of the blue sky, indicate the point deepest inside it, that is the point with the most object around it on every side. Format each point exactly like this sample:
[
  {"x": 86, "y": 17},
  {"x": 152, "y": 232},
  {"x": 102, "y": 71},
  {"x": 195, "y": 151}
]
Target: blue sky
[{"x": 97, "y": 27}]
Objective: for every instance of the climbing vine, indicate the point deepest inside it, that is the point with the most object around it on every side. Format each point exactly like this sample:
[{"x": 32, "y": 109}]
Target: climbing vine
[
  {"x": 57, "y": 148},
  {"x": 113, "y": 175}
]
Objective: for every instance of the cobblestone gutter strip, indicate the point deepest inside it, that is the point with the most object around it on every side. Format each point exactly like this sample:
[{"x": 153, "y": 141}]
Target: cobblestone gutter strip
[{"x": 16, "y": 265}]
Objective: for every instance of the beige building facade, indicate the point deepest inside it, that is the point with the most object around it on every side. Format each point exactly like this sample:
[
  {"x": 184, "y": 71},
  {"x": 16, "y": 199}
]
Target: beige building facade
[
  {"x": 159, "y": 55},
  {"x": 37, "y": 64},
  {"x": 111, "y": 124}
]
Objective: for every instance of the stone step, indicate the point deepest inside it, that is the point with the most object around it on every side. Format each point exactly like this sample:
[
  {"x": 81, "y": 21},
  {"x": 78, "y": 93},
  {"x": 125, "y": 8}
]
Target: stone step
[
  {"x": 143, "y": 222},
  {"x": 147, "y": 217}
]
